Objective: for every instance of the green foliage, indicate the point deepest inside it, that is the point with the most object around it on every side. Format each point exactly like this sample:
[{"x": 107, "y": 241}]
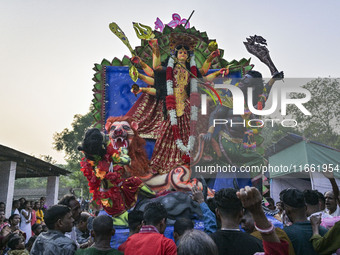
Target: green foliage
[
  {"x": 324, "y": 123},
  {"x": 273, "y": 134},
  {"x": 68, "y": 140},
  {"x": 30, "y": 183},
  {"x": 48, "y": 159},
  {"x": 76, "y": 180}
]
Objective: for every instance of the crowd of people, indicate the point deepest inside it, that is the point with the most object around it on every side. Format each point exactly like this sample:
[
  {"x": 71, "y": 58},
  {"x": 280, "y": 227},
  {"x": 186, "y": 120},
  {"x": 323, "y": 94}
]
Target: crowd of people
[
  {"x": 235, "y": 222},
  {"x": 26, "y": 221}
]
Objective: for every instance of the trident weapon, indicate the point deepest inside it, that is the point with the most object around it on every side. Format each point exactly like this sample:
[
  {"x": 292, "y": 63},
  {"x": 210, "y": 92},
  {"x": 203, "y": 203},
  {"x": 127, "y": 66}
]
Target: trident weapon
[
  {"x": 120, "y": 34},
  {"x": 143, "y": 31}
]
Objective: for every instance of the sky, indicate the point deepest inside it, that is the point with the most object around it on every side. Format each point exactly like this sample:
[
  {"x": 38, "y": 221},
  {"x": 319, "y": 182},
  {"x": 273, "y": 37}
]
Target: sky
[{"x": 48, "y": 50}]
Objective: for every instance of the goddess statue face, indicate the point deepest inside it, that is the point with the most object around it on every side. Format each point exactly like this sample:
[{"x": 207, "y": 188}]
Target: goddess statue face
[{"x": 182, "y": 54}]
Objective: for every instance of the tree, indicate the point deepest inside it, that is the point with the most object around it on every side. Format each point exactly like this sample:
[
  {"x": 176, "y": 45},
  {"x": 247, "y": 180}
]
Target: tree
[
  {"x": 324, "y": 123},
  {"x": 48, "y": 159},
  {"x": 272, "y": 134},
  {"x": 68, "y": 141}
]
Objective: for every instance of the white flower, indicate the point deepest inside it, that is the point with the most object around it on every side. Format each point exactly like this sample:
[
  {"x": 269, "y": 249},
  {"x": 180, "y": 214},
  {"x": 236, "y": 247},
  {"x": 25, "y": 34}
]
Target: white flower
[
  {"x": 193, "y": 109},
  {"x": 169, "y": 87},
  {"x": 189, "y": 147},
  {"x": 194, "y": 113},
  {"x": 193, "y": 85},
  {"x": 173, "y": 117},
  {"x": 192, "y": 60},
  {"x": 171, "y": 62},
  {"x": 191, "y": 142}
]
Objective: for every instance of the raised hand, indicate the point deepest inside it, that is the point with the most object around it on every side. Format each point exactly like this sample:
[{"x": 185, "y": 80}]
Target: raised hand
[
  {"x": 215, "y": 53},
  {"x": 328, "y": 174},
  {"x": 197, "y": 195},
  {"x": 136, "y": 92},
  {"x": 278, "y": 76},
  {"x": 315, "y": 220},
  {"x": 207, "y": 137},
  {"x": 250, "y": 198}
]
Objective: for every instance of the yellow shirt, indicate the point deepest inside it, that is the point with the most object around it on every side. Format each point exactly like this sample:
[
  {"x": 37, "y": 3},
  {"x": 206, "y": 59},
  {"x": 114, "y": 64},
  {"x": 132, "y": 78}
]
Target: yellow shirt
[{"x": 39, "y": 213}]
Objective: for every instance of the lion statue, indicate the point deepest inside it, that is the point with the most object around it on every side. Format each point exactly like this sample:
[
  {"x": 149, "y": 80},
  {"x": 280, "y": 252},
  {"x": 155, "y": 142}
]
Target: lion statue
[{"x": 123, "y": 133}]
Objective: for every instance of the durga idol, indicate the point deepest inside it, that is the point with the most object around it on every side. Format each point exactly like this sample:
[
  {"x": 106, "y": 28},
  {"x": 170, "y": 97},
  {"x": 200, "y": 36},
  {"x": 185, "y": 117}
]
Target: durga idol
[{"x": 175, "y": 86}]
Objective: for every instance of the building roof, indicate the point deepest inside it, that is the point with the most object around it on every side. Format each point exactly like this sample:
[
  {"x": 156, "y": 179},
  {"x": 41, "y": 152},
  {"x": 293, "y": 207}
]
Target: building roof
[
  {"x": 29, "y": 166},
  {"x": 289, "y": 140}
]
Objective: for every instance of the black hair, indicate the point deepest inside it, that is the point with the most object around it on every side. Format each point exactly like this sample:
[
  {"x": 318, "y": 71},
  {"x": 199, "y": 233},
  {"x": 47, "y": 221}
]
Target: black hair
[
  {"x": 311, "y": 197},
  {"x": 12, "y": 217},
  {"x": 183, "y": 224},
  {"x": 270, "y": 200},
  {"x": 227, "y": 202},
  {"x": 84, "y": 217},
  {"x": 103, "y": 225},
  {"x": 211, "y": 204},
  {"x": 135, "y": 218},
  {"x": 25, "y": 203},
  {"x": 35, "y": 226},
  {"x": 55, "y": 213},
  {"x": 294, "y": 198},
  {"x": 154, "y": 212},
  {"x": 321, "y": 196},
  {"x": 179, "y": 47},
  {"x": 94, "y": 144},
  {"x": 255, "y": 74},
  {"x": 13, "y": 241},
  {"x": 66, "y": 200},
  {"x": 282, "y": 193}
]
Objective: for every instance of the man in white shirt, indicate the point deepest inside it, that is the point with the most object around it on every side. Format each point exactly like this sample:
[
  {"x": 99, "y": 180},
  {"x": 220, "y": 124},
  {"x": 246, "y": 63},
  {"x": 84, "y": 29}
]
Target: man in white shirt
[{"x": 332, "y": 207}]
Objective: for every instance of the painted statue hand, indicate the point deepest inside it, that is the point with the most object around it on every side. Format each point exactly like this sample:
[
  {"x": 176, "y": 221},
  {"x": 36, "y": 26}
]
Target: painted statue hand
[
  {"x": 278, "y": 76},
  {"x": 153, "y": 43},
  {"x": 215, "y": 53},
  {"x": 212, "y": 55},
  {"x": 136, "y": 92},
  {"x": 135, "y": 60},
  {"x": 224, "y": 71},
  {"x": 207, "y": 137}
]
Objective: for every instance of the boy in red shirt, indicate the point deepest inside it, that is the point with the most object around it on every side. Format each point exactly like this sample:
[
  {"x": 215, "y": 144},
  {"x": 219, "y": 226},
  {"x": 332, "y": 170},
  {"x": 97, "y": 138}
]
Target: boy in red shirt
[{"x": 150, "y": 239}]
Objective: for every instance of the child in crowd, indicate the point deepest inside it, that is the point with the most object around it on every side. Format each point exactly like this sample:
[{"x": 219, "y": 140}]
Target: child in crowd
[{"x": 17, "y": 245}]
